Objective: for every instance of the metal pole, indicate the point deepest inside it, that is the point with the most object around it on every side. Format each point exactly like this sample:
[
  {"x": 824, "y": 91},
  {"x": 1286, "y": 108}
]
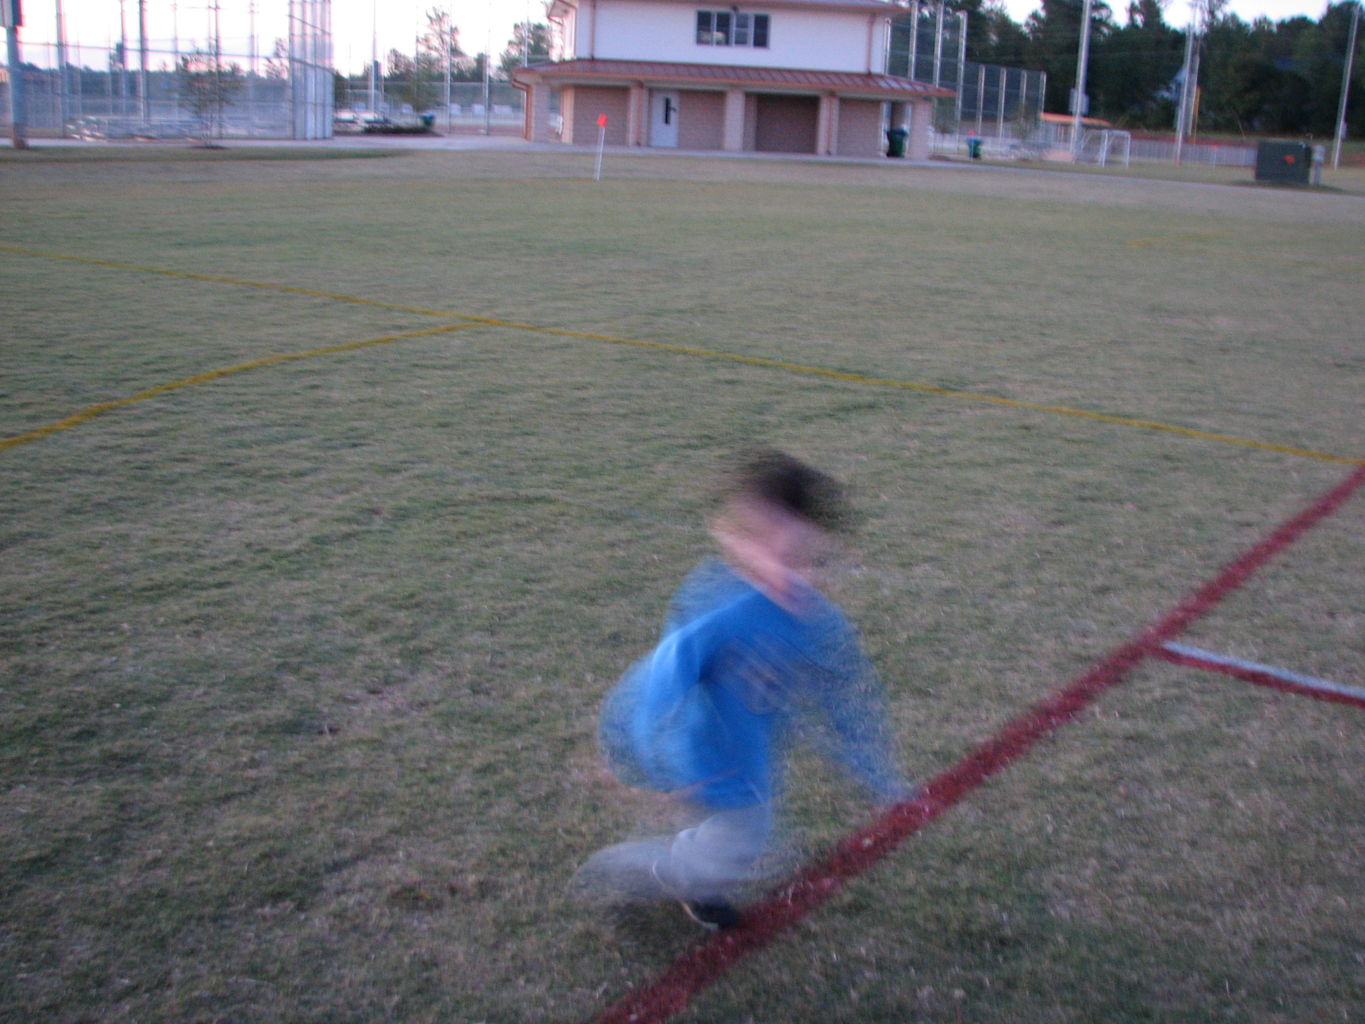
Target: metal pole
[
  {"x": 325, "y": 72},
  {"x": 1345, "y": 86},
  {"x": 122, "y": 59},
  {"x": 981, "y": 99},
  {"x": 1192, "y": 120},
  {"x": 18, "y": 112},
  {"x": 1078, "y": 98},
  {"x": 218, "y": 105},
  {"x": 1182, "y": 111},
  {"x": 914, "y": 38},
  {"x": 446, "y": 45},
  {"x": 63, "y": 85},
  {"x": 374, "y": 54},
  {"x": 1003, "y": 77},
  {"x": 251, "y": 69},
  {"x": 144, "y": 109},
  {"x": 938, "y": 44},
  {"x": 294, "y": 84},
  {"x": 961, "y": 82},
  {"x": 488, "y": 77}
]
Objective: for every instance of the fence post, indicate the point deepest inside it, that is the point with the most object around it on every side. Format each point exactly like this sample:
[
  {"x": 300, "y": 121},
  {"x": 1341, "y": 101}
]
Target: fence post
[{"x": 11, "y": 18}]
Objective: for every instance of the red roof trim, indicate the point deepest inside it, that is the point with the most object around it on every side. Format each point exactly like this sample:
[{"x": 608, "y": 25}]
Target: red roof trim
[
  {"x": 728, "y": 75},
  {"x": 1093, "y": 122},
  {"x": 874, "y": 7}
]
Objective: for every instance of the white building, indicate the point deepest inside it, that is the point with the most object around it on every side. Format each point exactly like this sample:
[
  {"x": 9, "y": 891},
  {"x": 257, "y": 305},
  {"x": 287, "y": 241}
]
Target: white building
[{"x": 779, "y": 76}]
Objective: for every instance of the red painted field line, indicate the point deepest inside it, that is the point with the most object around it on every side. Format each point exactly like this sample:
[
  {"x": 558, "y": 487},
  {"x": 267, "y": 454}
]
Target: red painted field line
[
  {"x": 670, "y": 992},
  {"x": 1251, "y": 675}
]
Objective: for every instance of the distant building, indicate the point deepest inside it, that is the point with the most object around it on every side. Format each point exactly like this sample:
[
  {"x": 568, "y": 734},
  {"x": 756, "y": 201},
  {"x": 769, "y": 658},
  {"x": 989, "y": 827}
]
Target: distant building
[
  {"x": 782, "y": 76},
  {"x": 1057, "y": 130}
]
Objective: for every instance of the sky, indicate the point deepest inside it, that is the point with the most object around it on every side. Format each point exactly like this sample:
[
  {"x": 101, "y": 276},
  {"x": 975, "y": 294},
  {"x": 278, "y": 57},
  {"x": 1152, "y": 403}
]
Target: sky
[{"x": 182, "y": 25}]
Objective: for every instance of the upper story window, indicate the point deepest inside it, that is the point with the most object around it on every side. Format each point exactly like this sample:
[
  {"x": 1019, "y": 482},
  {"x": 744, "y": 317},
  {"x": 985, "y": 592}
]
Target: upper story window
[{"x": 730, "y": 28}]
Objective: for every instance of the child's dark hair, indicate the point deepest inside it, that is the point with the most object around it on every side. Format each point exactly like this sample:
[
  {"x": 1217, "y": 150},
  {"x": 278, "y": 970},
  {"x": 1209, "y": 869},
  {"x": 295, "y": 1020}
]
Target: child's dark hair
[{"x": 788, "y": 483}]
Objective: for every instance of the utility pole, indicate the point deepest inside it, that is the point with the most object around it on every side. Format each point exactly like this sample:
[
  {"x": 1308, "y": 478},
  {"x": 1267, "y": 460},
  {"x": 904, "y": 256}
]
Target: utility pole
[
  {"x": 1182, "y": 113},
  {"x": 12, "y": 18},
  {"x": 1188, "y": 115},
  {"x": 1346, "y": 85},
  {"x": 1078, "y": 97}
]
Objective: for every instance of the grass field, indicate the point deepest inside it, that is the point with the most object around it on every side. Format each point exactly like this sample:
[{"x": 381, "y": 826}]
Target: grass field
[{"x": 301, "y": 661}]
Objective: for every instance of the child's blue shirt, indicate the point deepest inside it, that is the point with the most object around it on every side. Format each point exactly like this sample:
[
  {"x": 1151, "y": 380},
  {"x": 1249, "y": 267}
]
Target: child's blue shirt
[{"x": 708, "y": 711}]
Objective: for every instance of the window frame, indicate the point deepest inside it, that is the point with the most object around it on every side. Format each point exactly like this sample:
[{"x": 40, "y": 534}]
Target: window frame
[{"x": 732, "y": 28}]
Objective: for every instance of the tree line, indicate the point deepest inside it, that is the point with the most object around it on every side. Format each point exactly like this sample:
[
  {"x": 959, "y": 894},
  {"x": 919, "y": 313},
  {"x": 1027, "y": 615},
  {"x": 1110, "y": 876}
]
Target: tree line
[
  {"x": 1264, "y": 77},
  {"x": 418, "y": 79}
]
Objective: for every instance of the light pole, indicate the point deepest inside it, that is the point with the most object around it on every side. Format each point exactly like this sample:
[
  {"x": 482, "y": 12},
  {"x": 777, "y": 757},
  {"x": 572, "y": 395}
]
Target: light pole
[
  {"x": 1182, "y": 115},
  {"x": 1346, "y": 85},
  {"x": 1078, "y": 97}
]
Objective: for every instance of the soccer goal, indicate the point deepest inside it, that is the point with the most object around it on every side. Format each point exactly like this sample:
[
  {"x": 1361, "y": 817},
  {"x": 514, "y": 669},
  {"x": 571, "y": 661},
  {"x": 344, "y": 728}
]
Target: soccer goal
[{"x": 1101, "y": 145}]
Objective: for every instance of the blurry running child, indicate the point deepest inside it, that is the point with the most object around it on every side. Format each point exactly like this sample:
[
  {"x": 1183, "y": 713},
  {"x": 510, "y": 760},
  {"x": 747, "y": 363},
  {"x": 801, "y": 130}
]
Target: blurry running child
[{"x": 751, "y": 656}]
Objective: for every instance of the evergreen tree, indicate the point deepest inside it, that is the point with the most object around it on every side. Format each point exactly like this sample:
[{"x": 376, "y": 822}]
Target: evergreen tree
[
  {"x": 525, "y": 48},
  {"x": 1133, "y": 69},
  {"x": 1054, "y": 38}
]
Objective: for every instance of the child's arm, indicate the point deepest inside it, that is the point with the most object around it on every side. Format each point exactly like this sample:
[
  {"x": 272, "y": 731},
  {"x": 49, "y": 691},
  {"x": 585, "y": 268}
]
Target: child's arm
[{"x": 850, "y": 722}]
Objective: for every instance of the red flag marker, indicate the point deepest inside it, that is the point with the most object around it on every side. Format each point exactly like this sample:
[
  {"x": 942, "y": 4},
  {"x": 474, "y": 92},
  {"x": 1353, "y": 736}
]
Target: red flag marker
[{"x": 601, "y": 144}]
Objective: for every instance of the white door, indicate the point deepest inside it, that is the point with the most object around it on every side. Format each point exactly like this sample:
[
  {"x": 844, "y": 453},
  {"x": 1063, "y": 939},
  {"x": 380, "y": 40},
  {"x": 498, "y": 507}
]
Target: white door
[{"x": 663, "y": 118}]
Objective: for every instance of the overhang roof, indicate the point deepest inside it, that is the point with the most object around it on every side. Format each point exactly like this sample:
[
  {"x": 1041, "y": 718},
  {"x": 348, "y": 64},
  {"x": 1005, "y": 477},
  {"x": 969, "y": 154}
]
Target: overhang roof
[{"x": 847, "y": 83}]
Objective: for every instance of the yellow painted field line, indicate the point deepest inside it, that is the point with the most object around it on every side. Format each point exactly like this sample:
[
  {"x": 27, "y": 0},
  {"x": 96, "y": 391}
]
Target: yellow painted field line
[
  {"x": 217, "y": 279},
  {"x": 706, "y": 353},
  {"x": 90, "y": 412},
  {"x": 1188, "y": 236},
  {"x": 904, "y": 385}
]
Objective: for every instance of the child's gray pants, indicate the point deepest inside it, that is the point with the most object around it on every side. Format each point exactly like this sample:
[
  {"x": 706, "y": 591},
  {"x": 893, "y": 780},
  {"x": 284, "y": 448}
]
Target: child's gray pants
[
  {"x": 707, "y": 863},
  {"x": 703, "y": 864}
]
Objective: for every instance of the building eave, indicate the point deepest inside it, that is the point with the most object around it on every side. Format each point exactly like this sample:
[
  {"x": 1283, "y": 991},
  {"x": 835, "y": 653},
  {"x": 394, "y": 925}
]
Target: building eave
[{"x": 725, "y": 76}]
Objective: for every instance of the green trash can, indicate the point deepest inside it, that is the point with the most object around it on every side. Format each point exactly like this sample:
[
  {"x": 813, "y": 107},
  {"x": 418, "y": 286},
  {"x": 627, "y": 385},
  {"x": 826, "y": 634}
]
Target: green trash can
[
  {"x": 895, "y": 142},
  {"x": 428, "y": 121},
  {"x": 974, "y": 148}
]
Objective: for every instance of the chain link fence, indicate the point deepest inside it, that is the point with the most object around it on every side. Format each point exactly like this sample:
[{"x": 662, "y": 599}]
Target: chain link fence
[
  {"x": 160, "y": 89},
  {"x": 928, "y": 44},
  {"x": 465, "y": 107}
]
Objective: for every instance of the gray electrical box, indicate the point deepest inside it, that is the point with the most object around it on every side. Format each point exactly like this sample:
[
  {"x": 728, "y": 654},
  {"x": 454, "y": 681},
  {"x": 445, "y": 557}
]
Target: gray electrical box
[{"x": 1284, "y": 161}]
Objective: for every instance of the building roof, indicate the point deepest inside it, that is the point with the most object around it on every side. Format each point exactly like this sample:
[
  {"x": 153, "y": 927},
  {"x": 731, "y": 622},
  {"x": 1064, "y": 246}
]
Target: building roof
[
  {"x": 586, "y": 72},
  {"x": 867, "y": 6},
  {"x": 1069, "y": 119}
]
